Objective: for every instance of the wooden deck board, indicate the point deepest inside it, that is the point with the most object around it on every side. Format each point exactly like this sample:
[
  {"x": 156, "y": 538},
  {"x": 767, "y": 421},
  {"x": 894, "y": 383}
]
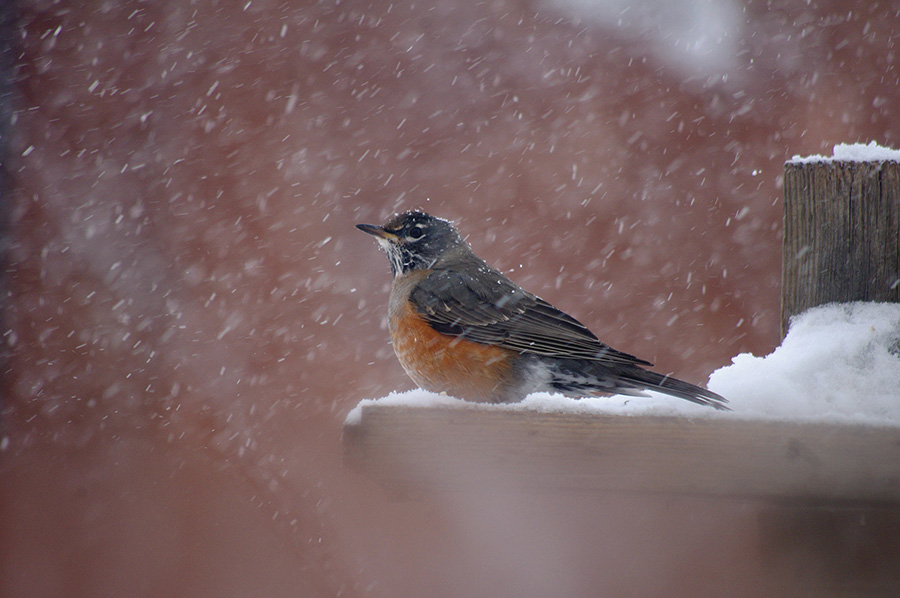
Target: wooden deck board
[{"x": 431, "y": 448}]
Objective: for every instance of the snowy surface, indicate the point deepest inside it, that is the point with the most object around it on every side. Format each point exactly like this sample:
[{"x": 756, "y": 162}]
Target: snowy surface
[
  {"x": 854, "y": 152},
  {"x": 838, "y": 363}
]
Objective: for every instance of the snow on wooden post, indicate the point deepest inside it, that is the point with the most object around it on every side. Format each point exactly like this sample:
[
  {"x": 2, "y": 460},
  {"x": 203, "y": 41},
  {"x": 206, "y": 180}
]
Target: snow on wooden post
[{"x": 841, "y": 229}]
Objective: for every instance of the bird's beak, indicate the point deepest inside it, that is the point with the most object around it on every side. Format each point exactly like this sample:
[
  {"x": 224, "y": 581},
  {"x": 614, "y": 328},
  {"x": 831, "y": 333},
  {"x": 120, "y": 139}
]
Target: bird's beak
[{"x": 378, "y": 232}]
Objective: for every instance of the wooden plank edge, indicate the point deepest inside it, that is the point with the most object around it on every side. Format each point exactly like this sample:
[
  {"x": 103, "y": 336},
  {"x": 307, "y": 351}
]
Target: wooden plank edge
[{"x": 426, "y": 449}]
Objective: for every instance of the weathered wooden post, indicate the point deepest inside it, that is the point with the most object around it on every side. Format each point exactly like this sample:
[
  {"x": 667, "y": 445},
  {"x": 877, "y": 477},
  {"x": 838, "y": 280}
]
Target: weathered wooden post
[{"x": 841, "y": 231}]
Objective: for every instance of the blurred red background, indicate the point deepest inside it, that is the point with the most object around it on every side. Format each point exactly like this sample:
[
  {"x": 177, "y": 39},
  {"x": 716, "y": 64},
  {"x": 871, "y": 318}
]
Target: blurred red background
[{"x": 189, "y": 313}]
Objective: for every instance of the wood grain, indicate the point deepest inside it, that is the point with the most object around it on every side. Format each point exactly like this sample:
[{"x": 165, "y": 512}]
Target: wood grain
[
  {"x": 413, "y": 449},
  {"x": 841, "y": 234}
]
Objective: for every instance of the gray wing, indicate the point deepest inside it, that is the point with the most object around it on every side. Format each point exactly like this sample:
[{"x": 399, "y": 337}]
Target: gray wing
[{"x": 490, "y": 309}]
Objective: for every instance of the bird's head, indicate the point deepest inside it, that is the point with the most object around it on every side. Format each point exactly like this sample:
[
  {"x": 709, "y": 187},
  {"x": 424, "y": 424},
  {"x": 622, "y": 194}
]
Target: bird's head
[{"x": 415, "y": 240}]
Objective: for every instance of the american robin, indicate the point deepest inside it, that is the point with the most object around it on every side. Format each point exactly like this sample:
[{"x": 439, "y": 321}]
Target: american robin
[{"x": 461, "y": 327}]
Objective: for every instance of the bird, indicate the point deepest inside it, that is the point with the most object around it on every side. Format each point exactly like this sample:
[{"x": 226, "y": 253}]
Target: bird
[{"x": 460, "y": 327}]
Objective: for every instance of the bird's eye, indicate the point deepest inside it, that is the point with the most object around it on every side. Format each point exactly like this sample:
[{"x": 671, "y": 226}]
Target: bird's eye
[{"x": 415, "y": 233}]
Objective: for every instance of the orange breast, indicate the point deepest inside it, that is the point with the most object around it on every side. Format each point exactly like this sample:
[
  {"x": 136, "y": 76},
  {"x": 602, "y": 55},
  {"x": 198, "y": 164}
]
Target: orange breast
[{"x": 441, "y": 363}]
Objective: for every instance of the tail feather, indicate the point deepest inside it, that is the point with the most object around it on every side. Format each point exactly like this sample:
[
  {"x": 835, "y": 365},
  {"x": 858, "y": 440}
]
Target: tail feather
[
  {"x": 577, "y": 378},
  {"x": 676, "y": 388}
]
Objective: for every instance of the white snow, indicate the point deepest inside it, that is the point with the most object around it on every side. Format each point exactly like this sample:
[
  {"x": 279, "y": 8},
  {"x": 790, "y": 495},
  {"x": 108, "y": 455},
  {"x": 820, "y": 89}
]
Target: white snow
[
  {"x": 653, "y": 404},
  {"x": 410, "y": 398},
  {"x": 854, "y": 152},
  {"x": 839, "y": 363}
]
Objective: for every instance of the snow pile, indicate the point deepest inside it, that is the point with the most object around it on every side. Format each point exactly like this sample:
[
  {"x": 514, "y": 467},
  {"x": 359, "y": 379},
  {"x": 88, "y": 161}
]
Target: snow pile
[
  {"x": 838, "y": 363},
  {"x": 854, "y": 152}
]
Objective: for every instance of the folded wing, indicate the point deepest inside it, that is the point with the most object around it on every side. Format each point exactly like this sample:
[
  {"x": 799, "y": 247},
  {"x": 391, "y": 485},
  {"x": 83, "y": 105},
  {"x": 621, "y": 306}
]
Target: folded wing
[{"x": 495, "y": 311}]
